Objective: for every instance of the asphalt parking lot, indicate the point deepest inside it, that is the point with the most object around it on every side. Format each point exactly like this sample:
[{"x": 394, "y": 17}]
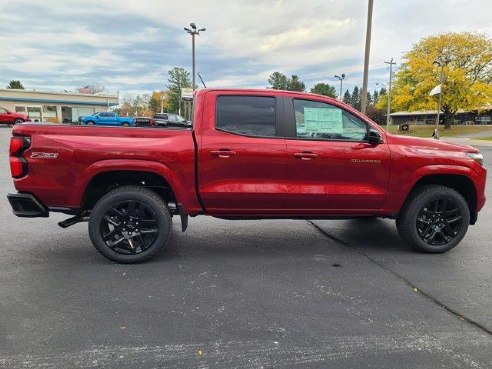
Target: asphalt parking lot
[{"x": 244, "y": 294}]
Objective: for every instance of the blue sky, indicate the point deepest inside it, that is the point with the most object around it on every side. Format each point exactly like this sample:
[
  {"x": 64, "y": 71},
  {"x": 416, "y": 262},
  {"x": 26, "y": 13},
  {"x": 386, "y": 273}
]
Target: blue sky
[{"x": 129, "y": 46}]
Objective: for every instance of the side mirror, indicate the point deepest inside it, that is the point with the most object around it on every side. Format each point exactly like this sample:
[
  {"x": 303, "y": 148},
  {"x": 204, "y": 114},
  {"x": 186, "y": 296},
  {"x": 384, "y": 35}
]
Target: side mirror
[{"x": 374, "y": 137}]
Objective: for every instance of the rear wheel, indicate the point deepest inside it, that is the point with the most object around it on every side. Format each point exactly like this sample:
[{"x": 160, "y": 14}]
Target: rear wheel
[
  {"x": 125, "y": 124},
  {"x": 90, "y": 123},
  {"x": 434, "y": 219},
  {"x": 130, "y": 224}
]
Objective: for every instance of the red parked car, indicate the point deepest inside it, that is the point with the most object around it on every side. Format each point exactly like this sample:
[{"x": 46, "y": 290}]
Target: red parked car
[
  {"x": 11, "y": 117},
  {"x": 249, "y": 154}
]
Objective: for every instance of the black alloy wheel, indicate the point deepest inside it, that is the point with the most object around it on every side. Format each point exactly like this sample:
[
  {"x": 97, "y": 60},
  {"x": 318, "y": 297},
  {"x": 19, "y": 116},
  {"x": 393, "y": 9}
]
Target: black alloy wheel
[
  {"x": 129, "y": 227},
  {"x": 439, "y": 221},
  {"x": 433, "y": 219},
  {"x": 130, "y": 224}
]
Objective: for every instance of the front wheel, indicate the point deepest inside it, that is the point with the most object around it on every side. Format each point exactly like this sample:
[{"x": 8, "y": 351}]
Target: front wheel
[
  {"x": 130, "y": 224},
  {"x": 17, "y": 121},
  {"x": 434, "y": 219},
  {"x": 125, "y": 125}
]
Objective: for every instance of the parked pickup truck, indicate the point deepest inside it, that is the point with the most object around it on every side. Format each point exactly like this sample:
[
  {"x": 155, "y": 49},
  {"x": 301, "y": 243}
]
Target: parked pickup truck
[
  {"x": 106, "y": 119},
  {"x": 250, "y": 154}
]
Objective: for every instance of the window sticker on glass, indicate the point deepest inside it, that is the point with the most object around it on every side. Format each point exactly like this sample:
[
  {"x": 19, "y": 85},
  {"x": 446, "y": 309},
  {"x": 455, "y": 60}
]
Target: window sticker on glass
[{"x": 320, "y": 120}]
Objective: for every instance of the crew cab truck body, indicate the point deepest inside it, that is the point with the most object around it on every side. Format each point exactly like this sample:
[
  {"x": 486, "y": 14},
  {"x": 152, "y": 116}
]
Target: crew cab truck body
[
  {"x": 106, "y": 119},
  {"x": 250, "y": 154}
]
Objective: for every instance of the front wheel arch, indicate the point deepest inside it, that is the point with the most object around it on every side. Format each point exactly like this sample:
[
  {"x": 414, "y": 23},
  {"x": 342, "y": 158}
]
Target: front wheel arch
[{"x": 460, "y": 183}]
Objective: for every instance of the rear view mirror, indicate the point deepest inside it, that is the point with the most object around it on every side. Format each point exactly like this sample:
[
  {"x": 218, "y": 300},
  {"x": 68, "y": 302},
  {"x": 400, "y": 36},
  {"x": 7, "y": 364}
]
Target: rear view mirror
[{"x": 374, "y": 137}]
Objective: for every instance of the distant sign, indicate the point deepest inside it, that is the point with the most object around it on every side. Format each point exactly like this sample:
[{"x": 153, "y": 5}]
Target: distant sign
[
  {"x": 321, "y": 120},
  {"x": 187, "y": 93}
]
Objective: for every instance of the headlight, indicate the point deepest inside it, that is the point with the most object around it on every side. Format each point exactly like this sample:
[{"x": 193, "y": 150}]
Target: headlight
[{"x": 478, "y": 157}]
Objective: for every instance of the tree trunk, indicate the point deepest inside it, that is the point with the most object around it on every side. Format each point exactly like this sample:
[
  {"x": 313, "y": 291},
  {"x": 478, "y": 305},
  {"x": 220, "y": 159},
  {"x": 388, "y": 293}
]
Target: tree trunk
[{"x": 448, "y": 117}]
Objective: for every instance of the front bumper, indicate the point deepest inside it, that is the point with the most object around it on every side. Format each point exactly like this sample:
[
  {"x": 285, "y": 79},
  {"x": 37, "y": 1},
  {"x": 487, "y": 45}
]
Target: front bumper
[{"x": 26, "y": 205}]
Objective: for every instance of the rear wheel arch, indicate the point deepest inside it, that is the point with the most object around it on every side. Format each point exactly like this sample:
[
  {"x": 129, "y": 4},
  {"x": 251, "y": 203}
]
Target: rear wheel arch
[{"x": 106, "y": 181}]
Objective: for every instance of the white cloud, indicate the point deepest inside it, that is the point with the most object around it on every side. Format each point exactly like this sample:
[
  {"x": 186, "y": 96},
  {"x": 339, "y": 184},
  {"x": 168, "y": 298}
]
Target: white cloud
[{"x": 319, "y": 38}]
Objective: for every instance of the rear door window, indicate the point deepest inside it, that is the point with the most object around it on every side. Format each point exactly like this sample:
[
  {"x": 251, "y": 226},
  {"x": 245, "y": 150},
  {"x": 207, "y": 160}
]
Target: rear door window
[{"x": 247, "y": 115}]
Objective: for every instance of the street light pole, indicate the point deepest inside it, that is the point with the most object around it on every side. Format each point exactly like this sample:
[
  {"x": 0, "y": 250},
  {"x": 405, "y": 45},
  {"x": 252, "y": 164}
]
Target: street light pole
[
  {"x": 193, "y": 32},
  {"x": 391, "y": 63},
  {"x": 363, "y": 98},
  {"x": 341, "y": 77},
  {"x": 440, "y": 62}
]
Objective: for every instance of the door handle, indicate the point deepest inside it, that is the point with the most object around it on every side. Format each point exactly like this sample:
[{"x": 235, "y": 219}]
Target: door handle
[
  {"x": 305, "y": 155},
  {"x": 223, "y": 153}
]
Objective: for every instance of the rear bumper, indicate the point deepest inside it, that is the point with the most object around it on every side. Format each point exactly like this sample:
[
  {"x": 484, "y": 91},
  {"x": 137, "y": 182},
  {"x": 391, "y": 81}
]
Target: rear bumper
[{"x": 26, "y": 205}]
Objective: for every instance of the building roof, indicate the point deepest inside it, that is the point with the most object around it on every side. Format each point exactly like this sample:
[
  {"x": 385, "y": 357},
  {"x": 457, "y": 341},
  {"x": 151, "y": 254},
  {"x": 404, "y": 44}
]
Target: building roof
[{"x": 57, "y": 97}]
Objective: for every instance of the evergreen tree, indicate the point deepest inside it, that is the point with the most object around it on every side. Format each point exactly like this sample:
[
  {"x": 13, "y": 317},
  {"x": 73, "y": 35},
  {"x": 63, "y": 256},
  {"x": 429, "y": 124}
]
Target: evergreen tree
[
  {"x": 355, "y": 98},
  {"x": 15, "y": 85},
  {"x": 347, "y": 98},
  {"x": 324, "y": 89},
  {"x": 179, "y": 78},
  {"x": 295, "y": 84},
  {"x": 278, "y": 81}
]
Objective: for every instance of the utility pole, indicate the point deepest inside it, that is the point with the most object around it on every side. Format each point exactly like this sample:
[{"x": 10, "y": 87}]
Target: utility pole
[
  {"x": 363, "y": 98},
  {"x": 193, "y": 32},
  {"x": 341, "y": 77},
  {"x": 391, "y": 63}
]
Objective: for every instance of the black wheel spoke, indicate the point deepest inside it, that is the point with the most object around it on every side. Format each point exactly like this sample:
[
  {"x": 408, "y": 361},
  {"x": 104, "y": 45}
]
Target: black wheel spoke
[
  {"x": 141, "y": 241},
  {"x": 439, "y": 221},
  {"x": 110, "y": 220},
  {"x": 124, "y": 229},
  {"x": 112, "y": 245},
  {"x": 454, "y": 220},
  {"x": 111, "y": 234},
  {"x": 118, "y": 212}
]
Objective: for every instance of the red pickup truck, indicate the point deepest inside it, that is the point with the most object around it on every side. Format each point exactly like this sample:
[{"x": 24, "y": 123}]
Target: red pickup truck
[{"x": 249, "y": 154}]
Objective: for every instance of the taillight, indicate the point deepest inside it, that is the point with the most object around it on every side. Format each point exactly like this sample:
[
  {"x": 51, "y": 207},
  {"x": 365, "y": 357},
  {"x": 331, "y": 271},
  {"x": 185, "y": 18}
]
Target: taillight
[
  {"x": 18, "y": 165},
  {"x": 18, "y": 145}
]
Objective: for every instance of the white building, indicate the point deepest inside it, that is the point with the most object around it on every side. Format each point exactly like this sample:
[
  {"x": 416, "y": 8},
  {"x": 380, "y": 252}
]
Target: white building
[{"x": 56, "y": 107}]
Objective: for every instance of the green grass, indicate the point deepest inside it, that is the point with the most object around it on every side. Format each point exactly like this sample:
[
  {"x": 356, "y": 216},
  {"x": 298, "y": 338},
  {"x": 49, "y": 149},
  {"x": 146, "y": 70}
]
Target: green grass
[
  {"x": 486, "y": 138},
  {"x": 454, "y": 131}
]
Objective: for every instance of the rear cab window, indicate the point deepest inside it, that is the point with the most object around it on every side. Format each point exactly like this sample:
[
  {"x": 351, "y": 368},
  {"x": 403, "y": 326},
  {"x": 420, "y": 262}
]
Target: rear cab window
[{"x": 247, "y": 115}]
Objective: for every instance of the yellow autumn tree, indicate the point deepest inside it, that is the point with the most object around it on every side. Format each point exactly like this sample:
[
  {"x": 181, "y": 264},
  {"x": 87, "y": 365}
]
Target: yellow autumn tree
[
  {"x": 159, "y": 101},
  {"x": 467, "y": 80}
]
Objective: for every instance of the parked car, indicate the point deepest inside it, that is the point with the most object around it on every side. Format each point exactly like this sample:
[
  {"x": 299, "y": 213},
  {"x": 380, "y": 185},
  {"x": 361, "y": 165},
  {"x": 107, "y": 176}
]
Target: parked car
[
  {"x": 170, "y": 120},
  {"x": 250, "y": 154},
  {"x": 144, "y": 122},
  {"x": 106, "y": 119},
  {"x": 11, "y": 117}
]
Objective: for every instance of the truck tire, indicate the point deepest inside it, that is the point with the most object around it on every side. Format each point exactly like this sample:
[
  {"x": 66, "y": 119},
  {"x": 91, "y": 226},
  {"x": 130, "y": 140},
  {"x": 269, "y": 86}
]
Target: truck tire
[
  {"x": 130, "y": 224},
  {"x": 434, "y": 219}
]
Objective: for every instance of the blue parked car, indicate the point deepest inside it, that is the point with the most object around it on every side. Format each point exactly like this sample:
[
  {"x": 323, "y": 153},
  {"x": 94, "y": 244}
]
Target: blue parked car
[{"x": 106, "y": 119}]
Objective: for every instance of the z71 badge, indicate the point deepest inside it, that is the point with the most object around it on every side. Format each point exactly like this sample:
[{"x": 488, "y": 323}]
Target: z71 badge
[{"x": 44, "y": 155}]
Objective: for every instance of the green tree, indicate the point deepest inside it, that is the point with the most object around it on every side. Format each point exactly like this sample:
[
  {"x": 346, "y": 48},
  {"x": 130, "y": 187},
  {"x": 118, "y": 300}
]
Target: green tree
[
  {"x": 178, "y": 78},
  {"x": 347, "y": 98},
  {"x": 324, "y": 89},
  {"x": 375, "y": 96},
  {"x": 467, "y": 81},
  {"x": 15, "y": 84},
  {"x": 295, "y": 84},
  {"x": 278, "y": 81},
  {"x": 355, "y": 98}
]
